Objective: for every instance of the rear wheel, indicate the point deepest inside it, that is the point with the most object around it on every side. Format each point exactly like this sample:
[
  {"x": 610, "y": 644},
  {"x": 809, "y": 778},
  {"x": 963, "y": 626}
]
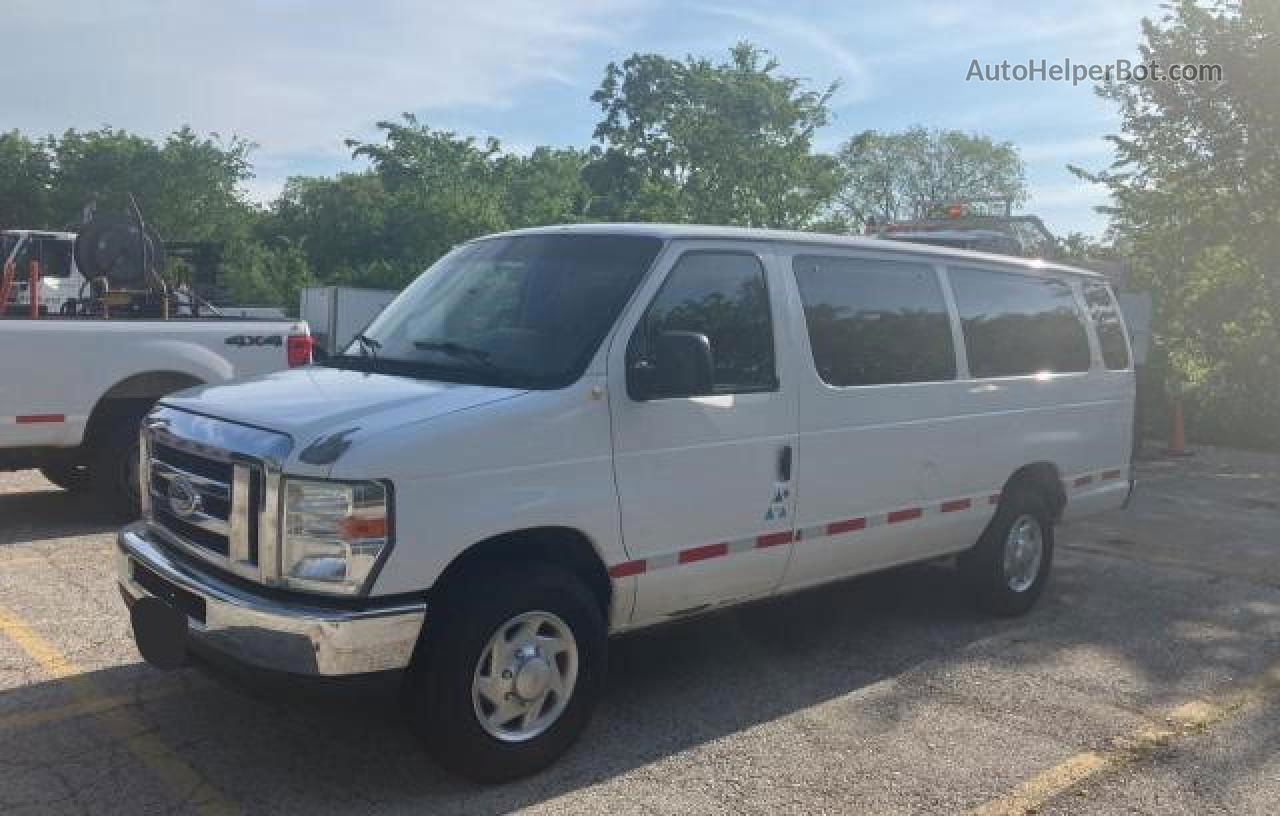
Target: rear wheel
[
  {"x": 508, "y": 672},
  {"x": 72, "y": 478},
  {"x": 1009, "y": 566}
]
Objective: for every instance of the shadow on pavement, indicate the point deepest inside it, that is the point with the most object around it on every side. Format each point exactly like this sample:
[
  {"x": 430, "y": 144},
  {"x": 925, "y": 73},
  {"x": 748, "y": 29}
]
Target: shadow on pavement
[
  {"x": 51, "y": 512},
  {"x": 670, "y": 690}
]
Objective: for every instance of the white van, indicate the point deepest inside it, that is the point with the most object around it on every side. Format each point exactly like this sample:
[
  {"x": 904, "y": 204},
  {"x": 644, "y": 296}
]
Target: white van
[{"x": 559, "y": 434}]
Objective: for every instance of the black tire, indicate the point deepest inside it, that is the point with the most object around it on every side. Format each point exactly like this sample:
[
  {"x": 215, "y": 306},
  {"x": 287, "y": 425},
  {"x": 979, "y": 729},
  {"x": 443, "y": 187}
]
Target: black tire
[
  {"x": 466, "y": 614},
  {"x": 983, "y": 567},
  {"x": 72, "y": 478},
  {"x": 113, "y": 465}
]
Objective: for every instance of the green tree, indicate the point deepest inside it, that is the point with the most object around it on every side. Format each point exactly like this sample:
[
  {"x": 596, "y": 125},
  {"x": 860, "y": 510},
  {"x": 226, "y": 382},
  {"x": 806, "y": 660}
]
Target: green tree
[
  {"x": 1077, "y": 247},
  {"x": 1196, "y": 186},
  {"x": 26, "y": 178},
  {"x": 910, "y": 174},
  {"x": 718, "y": 143},
  {"x": 340, "y": 224},
  {"x": 545, "y": 187},
  {"x": 189, "y": 187},
  {"x": 426, "y": 191},
  {"x": 260, "y": 275}
]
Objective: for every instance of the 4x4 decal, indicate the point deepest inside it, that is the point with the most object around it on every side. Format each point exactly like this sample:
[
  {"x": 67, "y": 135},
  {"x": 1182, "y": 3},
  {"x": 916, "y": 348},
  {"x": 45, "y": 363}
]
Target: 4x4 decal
[{"x": 244, "y": 340}]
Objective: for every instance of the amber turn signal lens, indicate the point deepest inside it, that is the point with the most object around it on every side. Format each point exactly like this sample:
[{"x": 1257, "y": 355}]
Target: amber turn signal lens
[{"x": 363, "y": 527}]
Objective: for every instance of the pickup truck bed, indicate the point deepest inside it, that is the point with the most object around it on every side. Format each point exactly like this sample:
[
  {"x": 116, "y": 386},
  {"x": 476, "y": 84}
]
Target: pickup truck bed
[{"x": 72, "y": 390}]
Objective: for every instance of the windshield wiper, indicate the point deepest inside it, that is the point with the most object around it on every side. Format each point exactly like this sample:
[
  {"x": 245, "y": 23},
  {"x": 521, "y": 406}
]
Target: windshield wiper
[
  {"x": 368, "y": 346},
  {"x": 453, "y": 349}
]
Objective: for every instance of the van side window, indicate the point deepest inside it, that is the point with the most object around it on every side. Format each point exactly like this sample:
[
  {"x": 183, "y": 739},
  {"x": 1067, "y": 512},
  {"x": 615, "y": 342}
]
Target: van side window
[
  {"x": 873, "y": 322},
  {"x": 1106, "y": 317},
  {"x": 1018, "y": 324},
  {"x": 722, "y": 296}
]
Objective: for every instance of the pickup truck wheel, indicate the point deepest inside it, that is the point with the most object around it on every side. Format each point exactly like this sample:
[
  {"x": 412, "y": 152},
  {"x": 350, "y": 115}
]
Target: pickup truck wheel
[
  {"x": 509, "y": 672},
  {"x": 72, "y": 478},
  {"x": 113, "y": 469},
  {"x": 1009, "y": 566}
]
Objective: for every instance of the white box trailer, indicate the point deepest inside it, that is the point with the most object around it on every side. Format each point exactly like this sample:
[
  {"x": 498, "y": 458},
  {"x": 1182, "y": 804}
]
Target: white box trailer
[
  {"x": 1137, "y": 309},
  {"x": 337, "y": 314}
]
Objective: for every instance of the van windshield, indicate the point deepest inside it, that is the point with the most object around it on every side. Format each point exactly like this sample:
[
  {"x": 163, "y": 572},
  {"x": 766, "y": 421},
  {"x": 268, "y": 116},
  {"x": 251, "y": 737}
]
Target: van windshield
[{"x": 525, "y": 311}]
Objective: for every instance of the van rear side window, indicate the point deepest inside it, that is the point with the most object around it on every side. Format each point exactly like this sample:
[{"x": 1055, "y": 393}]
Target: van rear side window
[
  {"x": 874, "y": 322},
  {"x": 1018, "y": 324},
  {"x": 1106, "y": 317}
]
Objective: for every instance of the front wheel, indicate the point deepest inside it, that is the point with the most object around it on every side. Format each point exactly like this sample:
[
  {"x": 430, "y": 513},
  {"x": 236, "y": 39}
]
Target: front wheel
[
  {"x": 1009, "y": 566},
  {"x": 508, "y": 672}
]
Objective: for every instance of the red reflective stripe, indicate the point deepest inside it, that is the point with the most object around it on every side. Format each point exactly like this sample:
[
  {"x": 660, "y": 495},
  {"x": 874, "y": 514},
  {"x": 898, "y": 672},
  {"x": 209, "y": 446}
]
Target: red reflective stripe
[
  {"x": 994, "y": 498},
  {"x": 956, "y": 504},
  {"x": 1082, "y": 481},
  {"x": 772, "y": 540},
  {"x": 846, "y": 526},
  {"x": 626, "y": 568},
  {"x": 30, "y": 419},
  {"x": 1113, "y": 474},
  {"x": 905, "y": 515},
  {"x": 703, "y": 553}
]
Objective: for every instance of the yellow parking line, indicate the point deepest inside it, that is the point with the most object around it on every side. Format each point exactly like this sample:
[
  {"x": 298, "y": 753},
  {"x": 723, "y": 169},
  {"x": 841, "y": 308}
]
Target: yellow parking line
[
  {"x": 1192, "y": 717},
  {"x": 1030, "y": 795},
  {"x": 184, "y": 780},
  {"x": 80, "y": 708}
]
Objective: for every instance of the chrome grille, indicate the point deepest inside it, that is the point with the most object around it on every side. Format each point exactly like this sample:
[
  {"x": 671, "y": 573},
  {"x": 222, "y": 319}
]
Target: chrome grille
[
  {"x": 216, "y": 501},
  {"x": 209, "y": 499}
]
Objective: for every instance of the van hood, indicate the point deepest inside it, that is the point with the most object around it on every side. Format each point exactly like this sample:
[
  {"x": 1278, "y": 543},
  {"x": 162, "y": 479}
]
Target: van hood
[{"x": 314, "y": 402}]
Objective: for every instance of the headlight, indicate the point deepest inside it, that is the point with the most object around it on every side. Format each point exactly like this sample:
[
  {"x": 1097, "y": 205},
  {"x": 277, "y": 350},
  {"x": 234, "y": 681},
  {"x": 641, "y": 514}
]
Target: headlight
[{"x": 334, "y": 534}]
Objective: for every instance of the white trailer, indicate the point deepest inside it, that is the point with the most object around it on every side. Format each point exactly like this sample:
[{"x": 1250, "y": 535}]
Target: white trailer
[{"x": 336, "y": 314}]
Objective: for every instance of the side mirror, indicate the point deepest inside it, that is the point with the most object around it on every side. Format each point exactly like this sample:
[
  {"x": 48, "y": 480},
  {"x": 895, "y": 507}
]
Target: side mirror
[{"x": 679, "y": 365}]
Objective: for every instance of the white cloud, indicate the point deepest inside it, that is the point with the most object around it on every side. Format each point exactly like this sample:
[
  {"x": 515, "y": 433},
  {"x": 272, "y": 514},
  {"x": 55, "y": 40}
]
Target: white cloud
[
  {"x": 1069, "y": 207},
  {"x": 1067, "y": 150},
  {"x": 263, "y": 189},
  {"x": 296, "y": 77},
  {"x": 1016, "y": 107},
  {"x": 847, "y": 64},
  {"x": 1061, "y": 196},
  {"x": 1091, "y": 30},
  {"x": 943, "y": 15}
]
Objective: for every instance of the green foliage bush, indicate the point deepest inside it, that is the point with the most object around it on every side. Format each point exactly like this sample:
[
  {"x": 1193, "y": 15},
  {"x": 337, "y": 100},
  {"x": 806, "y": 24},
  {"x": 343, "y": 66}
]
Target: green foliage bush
[{"x": 1196, "y": 186}]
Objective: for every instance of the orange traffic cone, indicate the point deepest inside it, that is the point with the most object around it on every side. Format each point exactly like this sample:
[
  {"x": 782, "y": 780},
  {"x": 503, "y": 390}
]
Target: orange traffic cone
[{"x": 1177, "y": 432}]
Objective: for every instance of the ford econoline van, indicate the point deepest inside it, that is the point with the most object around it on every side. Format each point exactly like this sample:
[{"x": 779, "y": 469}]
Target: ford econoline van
[{"x": 559, "y": 434}]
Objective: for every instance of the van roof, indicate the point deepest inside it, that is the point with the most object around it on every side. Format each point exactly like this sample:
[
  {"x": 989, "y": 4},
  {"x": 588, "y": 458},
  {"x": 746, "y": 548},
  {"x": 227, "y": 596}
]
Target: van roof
[{"x": 816, "y": 239}]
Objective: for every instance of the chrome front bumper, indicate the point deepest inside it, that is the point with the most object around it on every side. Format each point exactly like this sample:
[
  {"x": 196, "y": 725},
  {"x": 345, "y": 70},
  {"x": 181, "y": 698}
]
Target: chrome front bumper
[{"x": 264, "y": 632}]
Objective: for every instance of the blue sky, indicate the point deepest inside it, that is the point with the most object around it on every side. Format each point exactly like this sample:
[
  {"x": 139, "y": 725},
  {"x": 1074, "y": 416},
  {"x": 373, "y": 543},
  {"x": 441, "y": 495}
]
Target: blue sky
[{"x": 298, "y": 77}]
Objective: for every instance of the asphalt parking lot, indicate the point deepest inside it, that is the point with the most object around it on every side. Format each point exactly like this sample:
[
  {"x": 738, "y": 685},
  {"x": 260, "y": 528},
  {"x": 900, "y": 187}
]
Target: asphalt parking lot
[{"x": 1147, "y": 681}]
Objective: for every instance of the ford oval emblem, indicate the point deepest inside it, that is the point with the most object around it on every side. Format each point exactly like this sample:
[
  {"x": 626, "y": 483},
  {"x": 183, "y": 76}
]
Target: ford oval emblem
[{"x": 184, "y": 499}]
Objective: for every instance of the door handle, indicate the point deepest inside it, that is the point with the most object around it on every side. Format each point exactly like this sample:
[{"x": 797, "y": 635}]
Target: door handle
[{"x": 784, "y": 463}]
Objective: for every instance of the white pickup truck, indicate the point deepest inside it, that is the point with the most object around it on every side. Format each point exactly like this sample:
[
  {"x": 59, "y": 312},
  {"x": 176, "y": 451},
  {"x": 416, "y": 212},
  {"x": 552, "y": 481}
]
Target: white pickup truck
[{"x": 73, "y": 390}]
